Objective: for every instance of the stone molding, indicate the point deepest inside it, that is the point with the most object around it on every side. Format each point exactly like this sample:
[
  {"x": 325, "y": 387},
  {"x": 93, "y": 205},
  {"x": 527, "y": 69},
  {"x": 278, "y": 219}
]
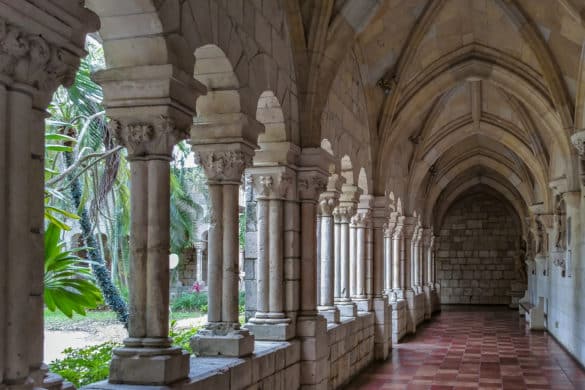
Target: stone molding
[
  {"x": 223, "y": 166},
  {"x": 397, "y": 233},
  {"x": 147, "y": 139},
  {"x": 30, "y": 59}
]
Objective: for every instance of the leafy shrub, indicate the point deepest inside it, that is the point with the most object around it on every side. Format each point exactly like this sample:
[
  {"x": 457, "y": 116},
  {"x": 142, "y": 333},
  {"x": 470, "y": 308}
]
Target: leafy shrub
[
  {"x": 242, "y": 301},
  {"x": 190, "y": 302},
  {"x": 83, "y": 366}
]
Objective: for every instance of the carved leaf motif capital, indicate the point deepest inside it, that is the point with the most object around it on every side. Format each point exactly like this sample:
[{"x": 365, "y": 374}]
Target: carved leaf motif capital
[
  {"x": 343, "y": 214},
  {"x": 147, "y": 138},
  {"x": 311, "y": 186},
  {"x": 263, "y": 185},
  {"x": 326, "y": 205},
  {"x": 222, "y": 166},
  {"x": 30, "y": 59}
]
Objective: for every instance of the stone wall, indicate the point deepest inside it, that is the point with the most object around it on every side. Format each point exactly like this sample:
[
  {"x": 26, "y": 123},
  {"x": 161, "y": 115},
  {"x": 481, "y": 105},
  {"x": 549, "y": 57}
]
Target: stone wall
[
  {"x": 352, "y": 348},
  {"x": 476, "y": 251}
]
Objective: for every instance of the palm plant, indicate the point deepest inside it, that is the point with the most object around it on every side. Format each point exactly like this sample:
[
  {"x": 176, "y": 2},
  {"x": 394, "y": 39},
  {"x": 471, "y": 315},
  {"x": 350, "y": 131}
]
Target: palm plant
[{"x": 69, "y": 286}]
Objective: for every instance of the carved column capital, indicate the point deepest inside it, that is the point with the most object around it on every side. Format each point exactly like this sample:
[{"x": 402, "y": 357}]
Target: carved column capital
[
  {"x": 310, "y": 185},
  {"x": 223, "y": 166},
  {"x": 327, "y": 203},
  {"x": 343, "y": 214},
  {"x": 578, "y": 141},
  {"x": 278, "y": 185},
  {"x": 361, "y": 219},
  {"x": 147, "y": 139}
]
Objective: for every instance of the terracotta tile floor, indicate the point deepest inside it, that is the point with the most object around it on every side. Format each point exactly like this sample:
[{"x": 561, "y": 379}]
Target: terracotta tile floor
[{"x": 475, "y": 348}]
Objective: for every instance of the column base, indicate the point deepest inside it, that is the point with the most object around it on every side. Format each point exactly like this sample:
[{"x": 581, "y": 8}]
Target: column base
[
  {"x": 330, "y": 313},
  {"x": 363, "y": 304},
  {"x": 428, "y": 301},
  {"x": 53, "y": 381},
  {"x": 399, "y": 294},
  {"x": 149, "y": 366},
  {"x": 347, "y": 309},
  {"x": 222, "y": 339},
  {"x": 26, "y": 385},
  {"x": 271, "y": 331}
]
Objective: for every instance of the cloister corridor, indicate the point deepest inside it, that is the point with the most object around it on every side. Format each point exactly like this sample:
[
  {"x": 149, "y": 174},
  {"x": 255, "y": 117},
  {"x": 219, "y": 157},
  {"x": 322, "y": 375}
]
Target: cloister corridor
[
  {"x": 474, "y": 347},
  {"x": 364, "y": 164}
]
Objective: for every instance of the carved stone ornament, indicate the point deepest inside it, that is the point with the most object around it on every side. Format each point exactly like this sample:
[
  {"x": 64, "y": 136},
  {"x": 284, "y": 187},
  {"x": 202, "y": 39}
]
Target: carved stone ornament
[
  {"x": 326, "y": 205},
  {"x": 361, "y": 219},
  {"x": 223, "y": 166},
  {"x": 263, "y": 185},
  {"x": 343, "y": 214},
  {"x": 147, "y": 139},
  {"x": 30, "y": 59},
  {"x": 578, "y": 141},
  {"x": 310, "y": 186}
]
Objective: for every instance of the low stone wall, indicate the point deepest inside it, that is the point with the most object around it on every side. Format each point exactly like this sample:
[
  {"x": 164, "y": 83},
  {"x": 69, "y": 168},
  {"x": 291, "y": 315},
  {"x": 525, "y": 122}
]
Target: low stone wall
[
  {"x": 274, "y": 365},
  {"x": 399, "y": 320},
  {"x": 351, "y": 346}
]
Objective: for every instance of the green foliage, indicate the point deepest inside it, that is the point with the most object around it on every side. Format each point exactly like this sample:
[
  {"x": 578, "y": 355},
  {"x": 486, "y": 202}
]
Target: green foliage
[
  {"x": 190, "y": 302},
  {"x": 82, "y": 366},
  {"x": 242, "y": 301},
  {"x": 69, "y": 286}
]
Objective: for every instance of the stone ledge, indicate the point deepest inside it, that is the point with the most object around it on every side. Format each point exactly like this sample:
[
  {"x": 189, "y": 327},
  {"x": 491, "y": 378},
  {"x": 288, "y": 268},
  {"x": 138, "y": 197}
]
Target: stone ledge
[{"x": 272, "y": 365}]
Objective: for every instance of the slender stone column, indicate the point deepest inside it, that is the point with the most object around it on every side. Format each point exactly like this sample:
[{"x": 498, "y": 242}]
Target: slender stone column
[
  {"x": 360, "y": 222},
  {"x": 346, "y": 307},
  {"x": 337, "y": 253},
  {"x": 327, "y": 202},
  {"x": 407, "y": 253},
  {"x": 222, "y": 334},
  {"x": 352, "y": 259},
  {"x": 311, "y": 327},
  {"x": 415, "y": 276},
  {"x": 397, "y": 260},
  {"x": 318, "y": 245},
  {"x": 147, "y": 355},
  {"x": 387, "y": 232},
  {"x": 270, "y": 322}
]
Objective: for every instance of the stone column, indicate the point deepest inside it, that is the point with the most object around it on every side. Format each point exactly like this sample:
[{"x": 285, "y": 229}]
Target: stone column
[
  {"x": 327, "y": 203},
  {"x": 397, "y": 259},
  {"x": 344, "y": 212},
  {"x": 41, "y": 47},
  {"x": 382, "y": 312},
  {"x": 343, "y": 302},
  {"x": 222, "y": 334},
  {"x": 352, "y": 258},
  {"x": 427, "y": 235},
  {"x": 147, "y": 355},
  {"x": 311, "y": 327},
  {"x": 408, "y": 260},
  {"x": 272, "y": 185},
  {"x": 364, "y": 249}
]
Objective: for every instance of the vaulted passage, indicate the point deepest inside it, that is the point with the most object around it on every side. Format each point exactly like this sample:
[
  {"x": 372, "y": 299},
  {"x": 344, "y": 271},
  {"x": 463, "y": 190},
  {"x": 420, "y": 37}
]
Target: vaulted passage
[{"x": 395, "y": 155}]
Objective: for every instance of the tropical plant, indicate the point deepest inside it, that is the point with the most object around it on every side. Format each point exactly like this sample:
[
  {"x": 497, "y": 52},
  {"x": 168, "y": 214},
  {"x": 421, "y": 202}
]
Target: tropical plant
[{"x": 69, "y": 285}]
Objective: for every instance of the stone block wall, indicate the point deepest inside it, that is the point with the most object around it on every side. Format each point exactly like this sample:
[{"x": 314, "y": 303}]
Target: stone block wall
[
  {"x": 477, "y": 247},
  {"x": 351, "y": 346}
]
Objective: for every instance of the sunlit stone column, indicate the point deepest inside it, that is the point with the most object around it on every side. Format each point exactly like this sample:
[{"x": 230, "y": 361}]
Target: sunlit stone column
[
  {"x": 352, "y": 258},
  {"x": 224, "y": 146},
  {"x": 382, "y": 313},
  {"x": 327, "y": 203},
  {"x": 415, "y": 276},
  {"x": 273, "y": 184},
  {"x": 427, "y": 236},
  {"x": 41, "y": 45}
]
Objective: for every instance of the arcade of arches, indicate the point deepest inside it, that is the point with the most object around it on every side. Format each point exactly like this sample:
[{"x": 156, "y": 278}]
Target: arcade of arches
[{"x": 396, "y": 154}]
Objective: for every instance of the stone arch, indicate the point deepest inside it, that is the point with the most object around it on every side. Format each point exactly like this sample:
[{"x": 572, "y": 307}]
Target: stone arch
[
  {"x": 363, "y": 181},
  {"x": 269, "y": 113},
  {"x": 347, "y": 170}
]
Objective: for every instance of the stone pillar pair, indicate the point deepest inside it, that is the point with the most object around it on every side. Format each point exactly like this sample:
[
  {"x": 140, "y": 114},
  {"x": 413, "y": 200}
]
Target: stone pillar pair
[
  {"x": 312, "y": 179},
  {"x": 361, "y": 223},
  {"x": 224, "y": 147},
  {"x": 398, "y": 259},
  {"x": 328, "y": 201},
  {"x": 41, "y": 45},
  {"x": 273, "y": 186},
  {"x": 408, "y": 259},
  {"x": 342, "y": 215},
  {"x": 41, "y": 48}
]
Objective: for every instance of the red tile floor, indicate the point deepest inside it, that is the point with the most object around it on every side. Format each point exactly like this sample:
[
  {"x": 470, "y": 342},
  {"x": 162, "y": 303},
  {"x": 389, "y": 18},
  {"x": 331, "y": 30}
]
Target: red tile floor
[{"x": 475, "y": 348}]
